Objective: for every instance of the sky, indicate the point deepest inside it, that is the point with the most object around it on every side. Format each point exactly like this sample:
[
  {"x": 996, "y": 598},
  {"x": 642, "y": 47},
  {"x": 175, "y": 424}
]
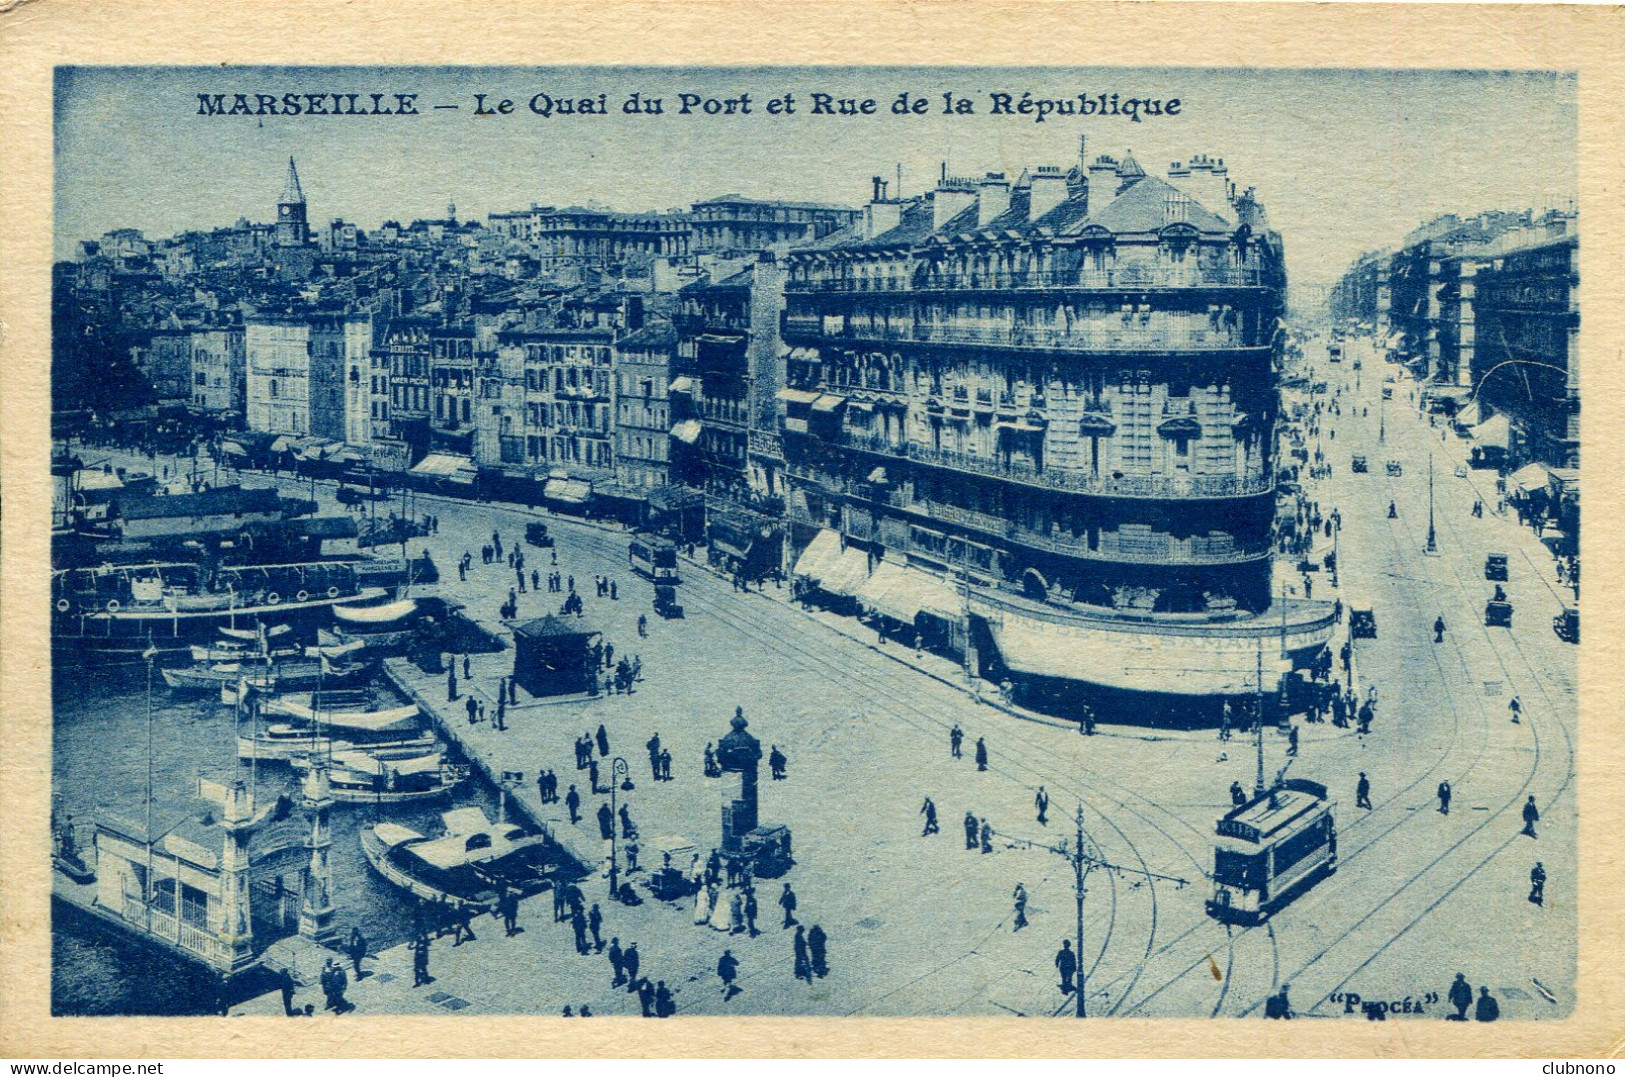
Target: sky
[{"x": 1344, "y": 161}]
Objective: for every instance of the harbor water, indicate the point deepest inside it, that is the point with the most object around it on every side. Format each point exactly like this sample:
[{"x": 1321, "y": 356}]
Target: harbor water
[{"x": 99, "y": 764}]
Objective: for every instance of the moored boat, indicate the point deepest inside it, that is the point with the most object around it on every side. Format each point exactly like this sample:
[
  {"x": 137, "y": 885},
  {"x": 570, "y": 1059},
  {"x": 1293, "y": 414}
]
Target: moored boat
[
  {"x": 283, "y": 741},
  {"x": 362, "y": 776},
  {"x": 473, "y": 861}
]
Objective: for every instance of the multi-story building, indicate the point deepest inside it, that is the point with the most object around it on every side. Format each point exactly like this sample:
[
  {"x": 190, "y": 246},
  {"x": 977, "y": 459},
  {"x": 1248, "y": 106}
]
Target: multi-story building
[
  {"x": 277, "y": 356},
  {"x": 643, "y": 422},
  {"x": 220, "y": 373},
  {"x": 1035, "y": 423},
  {"x": 734, "y": 224},
  {"x": 731, "y": 362},
  {"x": 340, "y": 377},
  {"x": 1526, "y": 360},
  {"x": 546, "y": 404},
  {"x": 166, "y": 361},
  {"x": 405, "y": 346},
  {"x": 582, "y": 237},
  {"x": 451, "y": 384}
]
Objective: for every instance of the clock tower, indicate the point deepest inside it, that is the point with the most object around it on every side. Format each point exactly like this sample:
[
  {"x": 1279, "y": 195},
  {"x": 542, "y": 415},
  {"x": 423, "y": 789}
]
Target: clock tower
[{"x": 292, "y": 227}]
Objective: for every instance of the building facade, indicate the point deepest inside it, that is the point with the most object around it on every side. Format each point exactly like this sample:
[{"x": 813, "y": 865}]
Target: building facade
[
  {"x": 1056, "y": 400},
  {"x": 578, "y": 237},
  {"x": 277, "y": 356},
  {"x": 547, "y": 404},
  {"x": 643, "y": 373},
  {"x": 451, "y": 388},
  {"x": 405, "y": 347},
  {"x": 220, "y": 373},
  {"x": 733, "y": 224}
]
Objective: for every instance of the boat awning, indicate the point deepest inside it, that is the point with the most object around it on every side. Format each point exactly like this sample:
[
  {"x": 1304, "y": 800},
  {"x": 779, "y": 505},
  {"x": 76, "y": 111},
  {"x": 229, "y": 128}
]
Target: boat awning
[
  {"x": 902, "y": 593},
  {"x": 820, "y": 556},
  {"x": 797, "y": 396},
  {"x": 446, "y": 466},
  {"x": 372, "y": 615},
  {"x": 685, "y": 384},
  {"x": 687, "y": 431},
  {"x": 1494, "y": 431},
  {"x": 281, "y": 444},
  {"x": 231, "y": 448},
  {"x": 1530, "y": 477},
  {"x": 567, "y": 491},
  {"x": 828, "y": 403}
]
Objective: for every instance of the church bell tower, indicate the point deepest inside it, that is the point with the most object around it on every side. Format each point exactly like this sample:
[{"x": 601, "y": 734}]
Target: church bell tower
[{"x": 292, "y": 227}]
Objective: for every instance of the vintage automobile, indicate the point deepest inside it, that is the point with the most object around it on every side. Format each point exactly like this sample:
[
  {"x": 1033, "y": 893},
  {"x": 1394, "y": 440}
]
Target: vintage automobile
[
  {"x": 1567, "y": 624},
  {"x": 1358, "y": 465},
  {"x": 1362, "y": 623},
  {"x": 1394, "y": 469},
  {"x": 1495, "y": 567},
  {"x": 536, "y": 534},
  {"x": 1498, "y": 614},
  {"x": 666, "y": 604}
]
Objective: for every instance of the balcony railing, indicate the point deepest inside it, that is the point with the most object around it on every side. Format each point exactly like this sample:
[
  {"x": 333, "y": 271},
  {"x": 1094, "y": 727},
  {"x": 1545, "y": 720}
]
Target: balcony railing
[
  {"x": 1146, "y": 486},
  {"x": 1119, "y": 277},
  {"x": 1130, "y": 338}
]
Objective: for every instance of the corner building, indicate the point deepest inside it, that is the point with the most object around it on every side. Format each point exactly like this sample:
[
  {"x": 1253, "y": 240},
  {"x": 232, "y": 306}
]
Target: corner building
[{"x": 1034, "y": 423}]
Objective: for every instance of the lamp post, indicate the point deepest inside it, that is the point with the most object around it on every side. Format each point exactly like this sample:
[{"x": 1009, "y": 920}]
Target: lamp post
[
  {"x": 1433, "y": 540},
  {"x": 618, "y": 769}
]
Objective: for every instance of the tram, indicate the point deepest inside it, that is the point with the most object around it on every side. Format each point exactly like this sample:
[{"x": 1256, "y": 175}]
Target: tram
[
  {"x": 1272, "y": 848},
  {"x": 653, "y": 558}
]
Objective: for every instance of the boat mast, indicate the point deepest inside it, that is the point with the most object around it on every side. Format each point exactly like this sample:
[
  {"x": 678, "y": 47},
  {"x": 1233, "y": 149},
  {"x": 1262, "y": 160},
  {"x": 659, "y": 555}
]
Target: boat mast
[
  {"x": 1258, "y": 723},
  {"x": 146, "y": 896}
]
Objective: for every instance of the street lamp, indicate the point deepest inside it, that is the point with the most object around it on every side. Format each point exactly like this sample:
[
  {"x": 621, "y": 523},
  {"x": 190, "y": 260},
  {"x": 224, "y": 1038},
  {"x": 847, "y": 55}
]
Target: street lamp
[
  {"x": 617, "y": 769},
  {"x": 1433, "y": 542}
]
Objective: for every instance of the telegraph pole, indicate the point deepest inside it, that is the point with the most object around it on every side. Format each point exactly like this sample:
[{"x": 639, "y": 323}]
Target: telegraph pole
[{"x": 1083, "y": 860}]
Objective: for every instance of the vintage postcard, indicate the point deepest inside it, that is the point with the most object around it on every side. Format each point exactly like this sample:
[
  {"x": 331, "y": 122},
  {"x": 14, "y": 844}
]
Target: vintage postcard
[{"x": 804, "y": 538}]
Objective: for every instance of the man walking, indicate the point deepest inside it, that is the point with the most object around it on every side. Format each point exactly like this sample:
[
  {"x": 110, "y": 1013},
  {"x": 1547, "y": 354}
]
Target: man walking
[
  {"x": 572, "y": 800},
  {"x": 1444, "y": 798},
  {"x": 727, "y": 970},
  {"x": 1516, "y": 709},
  {"x": 1041, "y": 802},
  {"x": 803, "y": 967},
  {"x": 1020, "y": 901},
  {"x": 750, "y": 911},
  {"x": 1362, "y": 792},
  {"x": 595, "y": 924},
  {"x": 1531, "y": 816},
  {"x": 356, "y": 948},
  {"x": 987, "y": 837},
  {"x": 787, "y": 902},
  {"x": 981, "y": 754},
  {"x": 1460, "y": 996},
  {"x": 816, "y": 952},
  {"x": 285, "y": 982},
  {"x": 606, "y": 821},
  {"x": 646, "y": 997},
  {"x": 1066, "y": 963},
  {"x": 956, "y": 737},
  {"x": 508, "y": 905},
  {"x": 1438, "y": 629},
  {"x": 602, "y": 736},
  {"x": 971, "y": 828},
  {"x": 929, "y": 810},
  {"x": 1486, "y": 1010},
  {"x": 578, "y": 926}
]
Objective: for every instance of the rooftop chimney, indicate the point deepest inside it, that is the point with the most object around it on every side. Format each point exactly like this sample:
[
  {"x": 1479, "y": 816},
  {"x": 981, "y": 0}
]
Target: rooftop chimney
[
  {"x": 1047, "y": 190},
  {"x": 951, "y": 198},
  {"x": 1102, "y": 182},
  {"x": 882, "y": 214},
  {"x": 993, "y": 199}
]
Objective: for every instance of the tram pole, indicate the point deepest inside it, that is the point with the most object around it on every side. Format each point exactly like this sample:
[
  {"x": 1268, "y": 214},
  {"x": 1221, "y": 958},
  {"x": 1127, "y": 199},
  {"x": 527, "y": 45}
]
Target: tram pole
[{"x": 1078, "y": 874}]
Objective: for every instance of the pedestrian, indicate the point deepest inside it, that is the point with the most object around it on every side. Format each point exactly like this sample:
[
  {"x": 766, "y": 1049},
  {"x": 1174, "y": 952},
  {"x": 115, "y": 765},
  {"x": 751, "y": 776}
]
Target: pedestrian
[
  {"x": 750, "y": 911},
  {"x": 1531, "y": 816},
  {"x": 727, "y": 970},
  {"x": 595, "y": 924},
  {"x": 787, "y": 902},
  {"x": 710, "y": 762},
  {"x": 614, "y": 592},
  {"x": 1486, "y": 1010},
  {"x": 616, "y": 963},
  {"x": 509, "y": 907},
  {"x": 1438, "y": 629},
  {"x": 1238, "y": 795},
  {"x": 578, "y": 925},
  {"x": 473, "y": 708},
  {"x": 631, "y": 853},
  {"x": 462, "y": 924},
  {"x": 1537, "y": 884},
  {"x": 1066, "y": 963},
  {"x": 665, "y": 764},
  {"x": 776, "y": 762},
  {"x": 603, "y": 740},
  {"x": 665, "y": 1006},
  {"x": 1041, "y": 802},
  {"x": 817, "y": 952},
  {"x": 535, "y": 580},
  {"x": 972, "y": 829},
  {"x": 502, "y": 708},
  {"x": 929, "y": 810},
  {"x": 1362, "y": 792},
  {"x": 572, "y": 800},
  {"x": 356, "y": 948},
  {"x": 451, "y": 685},
  {"x": 803, "y": 966},
  {"x": 987, "y": 837},
  {"x": 1019, "y": 898},
  {"x": 285, "y": 982},
  {"x": 981, "y": 754},
  {"x": 1278, "y": 1006},
  {"x": 630, "y": 960},
  {"x": 646, "y": 998},
  {"x": 1393, "y": 511},
  {"x": 1460, "y": 996},
  {"x": 592, "y": 771},
  {"x": 1444, "y": 798},
  {"x": 654, "y": 756},
  {"x": 1516, "y": 709},
  {"x": 956, "y": 737},
  {"x": 606, "y": 822},
  {"x": 1292, "y": 741},
  {"x": 643, "y": 626}
]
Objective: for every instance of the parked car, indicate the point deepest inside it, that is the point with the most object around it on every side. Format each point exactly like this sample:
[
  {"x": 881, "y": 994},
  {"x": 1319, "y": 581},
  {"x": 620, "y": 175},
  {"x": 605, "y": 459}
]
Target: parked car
[{"x": 536, "y": 534}]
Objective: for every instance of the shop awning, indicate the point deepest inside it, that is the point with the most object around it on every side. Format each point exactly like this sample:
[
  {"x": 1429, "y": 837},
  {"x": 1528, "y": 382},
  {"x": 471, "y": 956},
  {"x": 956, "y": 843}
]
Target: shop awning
[
  {"x": 903, "y": 593},
  {"x": 446, "y": 466},
  {"x": 828, "y": 403},
  {"x": 567, "y": 491},
  {"x": 849, "y": 573},
  {"x": 687, "y": 431},
  {"x": 1567, "y": 479},
  {"x": 231, "y": 448},
  {"x": 797, "y": 396},
  {"x": 1530, "y": 477},
  {"x": 821, "y": 556},
  {"x": 1493, "y": 432},
  {"x": 685, "y": 384}
]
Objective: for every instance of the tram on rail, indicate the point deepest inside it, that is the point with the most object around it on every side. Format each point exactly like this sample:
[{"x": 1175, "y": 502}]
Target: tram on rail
[
  {"x": 1271, "y": 849},
  {"x": 654, "y": 558}
]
